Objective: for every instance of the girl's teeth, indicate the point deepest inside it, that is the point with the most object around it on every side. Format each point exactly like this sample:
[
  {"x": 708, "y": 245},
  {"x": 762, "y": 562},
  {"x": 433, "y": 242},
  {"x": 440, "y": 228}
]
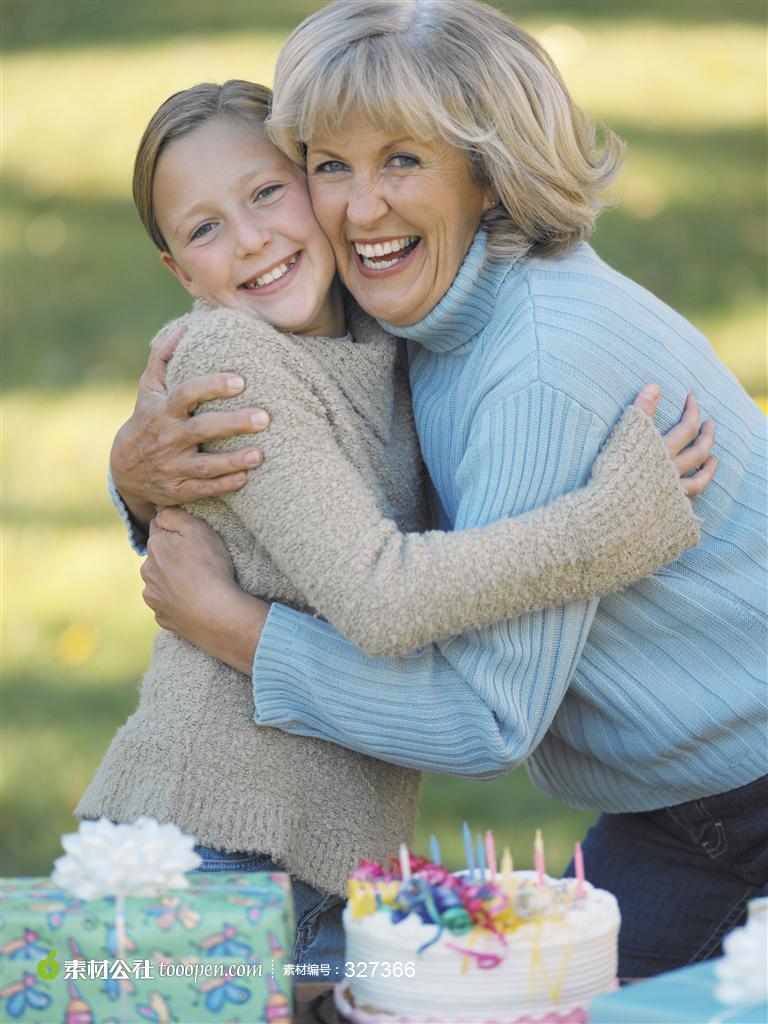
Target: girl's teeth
[{"x": 272, "y": 275}]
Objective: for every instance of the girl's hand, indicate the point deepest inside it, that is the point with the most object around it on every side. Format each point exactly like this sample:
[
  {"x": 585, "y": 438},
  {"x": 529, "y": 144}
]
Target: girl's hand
[
  {"x": 156, "y": 458},
  {"x": 688, "y": 458},
  {"x": 189, "y": 583}
]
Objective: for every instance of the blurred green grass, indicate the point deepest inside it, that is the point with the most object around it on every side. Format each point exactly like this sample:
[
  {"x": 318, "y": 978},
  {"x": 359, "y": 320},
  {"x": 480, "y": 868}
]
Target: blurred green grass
[{"x": 82, "y": 293}]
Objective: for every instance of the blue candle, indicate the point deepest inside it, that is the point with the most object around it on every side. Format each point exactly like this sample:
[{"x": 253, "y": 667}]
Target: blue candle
[
  {"x": 434, "y": 850},
  {"x": 481, "y": 858},
  {"x": 468, "y": 851}
]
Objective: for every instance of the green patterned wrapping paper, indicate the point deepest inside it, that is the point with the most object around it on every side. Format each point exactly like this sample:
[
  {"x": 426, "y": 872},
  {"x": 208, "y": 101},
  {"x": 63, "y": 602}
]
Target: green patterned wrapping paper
[{"x": 212, "y": 952}]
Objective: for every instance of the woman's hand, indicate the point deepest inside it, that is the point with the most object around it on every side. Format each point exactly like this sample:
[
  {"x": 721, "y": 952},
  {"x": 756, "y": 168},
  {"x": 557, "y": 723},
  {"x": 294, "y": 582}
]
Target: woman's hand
[
  {"x": 189, "y": 583},
  {"x": 693, "y": 459},
  {"x": 156, "y": 459}
]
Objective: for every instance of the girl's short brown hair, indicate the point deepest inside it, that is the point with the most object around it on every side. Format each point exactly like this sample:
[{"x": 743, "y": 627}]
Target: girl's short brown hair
[{"x": 181, "y": 114}]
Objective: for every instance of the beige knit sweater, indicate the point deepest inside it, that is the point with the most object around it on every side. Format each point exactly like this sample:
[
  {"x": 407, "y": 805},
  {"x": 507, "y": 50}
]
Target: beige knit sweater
[{"x": 318, "y": 527}]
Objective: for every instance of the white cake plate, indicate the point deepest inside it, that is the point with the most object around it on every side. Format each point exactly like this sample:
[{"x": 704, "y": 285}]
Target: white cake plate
[{"x": 342, "y": 997}]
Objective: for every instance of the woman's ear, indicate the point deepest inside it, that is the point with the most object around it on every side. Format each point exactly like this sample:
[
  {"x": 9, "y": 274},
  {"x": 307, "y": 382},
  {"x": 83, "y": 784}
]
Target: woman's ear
[
  {"x": 491, "y": 199},
  {"x": 181, "y": 275}
]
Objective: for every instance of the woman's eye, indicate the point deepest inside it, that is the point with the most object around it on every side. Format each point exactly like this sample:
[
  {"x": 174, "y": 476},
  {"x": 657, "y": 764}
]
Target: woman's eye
[
  {"x": 401, "y": 161},
  {"x": 201, "y": 231},
  {"x": 330, "y": 167},
  {"x": 267, "y": 192}
]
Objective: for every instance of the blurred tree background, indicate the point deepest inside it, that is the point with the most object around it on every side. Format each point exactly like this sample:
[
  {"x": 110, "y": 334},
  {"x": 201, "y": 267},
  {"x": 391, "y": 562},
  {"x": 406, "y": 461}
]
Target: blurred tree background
[{"x": 683, "y": 81}]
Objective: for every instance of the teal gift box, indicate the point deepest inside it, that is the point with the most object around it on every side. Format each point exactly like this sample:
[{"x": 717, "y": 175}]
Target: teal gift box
[
  {"x": 212, "y": 952},
  {"x": 679, "y": 997}
]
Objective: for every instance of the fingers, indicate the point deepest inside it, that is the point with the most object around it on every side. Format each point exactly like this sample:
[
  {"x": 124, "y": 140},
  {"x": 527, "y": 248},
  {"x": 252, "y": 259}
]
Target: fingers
[
  {"x": 648, "y": 399},
  {"x": 694, "y": 485},
  {"x": 185, "y": 398},
  {"x": 165, "y": 347},
  {"x": 696, "y": 455},
  {"x": 194, "y": 490},
  {"x": 209, "y": 465},
  {"x": 175, "y": 520},
  {"x": 209, "y": 426},
  {"x": 170, "y": 519},
  {"x": 209, "y": 474},
  {"x": 216, "y": 487},
  {"x": 153, "y": 378},
  {"x": 681, "y": 435}
]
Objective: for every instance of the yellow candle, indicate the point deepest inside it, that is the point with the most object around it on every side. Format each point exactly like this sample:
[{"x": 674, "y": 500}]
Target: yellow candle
[{"x": 506, "y": 862}]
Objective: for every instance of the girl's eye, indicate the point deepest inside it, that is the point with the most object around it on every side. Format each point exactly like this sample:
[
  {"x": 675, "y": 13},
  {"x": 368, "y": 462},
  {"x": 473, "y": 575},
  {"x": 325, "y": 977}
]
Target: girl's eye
[
  {"x": 201, "y": 231},
  {"x": 401, "y": 161},
  {"x": 330, "y": 167},
  {"x": 267, "y": 192}
]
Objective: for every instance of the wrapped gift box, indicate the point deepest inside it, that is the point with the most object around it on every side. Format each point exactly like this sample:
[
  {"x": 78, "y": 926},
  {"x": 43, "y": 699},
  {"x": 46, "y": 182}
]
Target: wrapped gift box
[
  {"x": 212, "y": 952},
  {"x": 679, "y": 997}
]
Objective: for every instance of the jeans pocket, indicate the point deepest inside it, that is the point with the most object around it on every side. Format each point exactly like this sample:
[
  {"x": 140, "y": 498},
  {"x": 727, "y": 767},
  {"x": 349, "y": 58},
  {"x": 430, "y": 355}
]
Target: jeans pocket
[
  {"x": 319, "y": 933},
  {"x": 695, "y": 825}
]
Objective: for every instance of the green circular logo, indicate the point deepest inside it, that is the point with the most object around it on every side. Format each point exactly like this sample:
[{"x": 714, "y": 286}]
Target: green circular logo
[{"x": 48, "y": 968}]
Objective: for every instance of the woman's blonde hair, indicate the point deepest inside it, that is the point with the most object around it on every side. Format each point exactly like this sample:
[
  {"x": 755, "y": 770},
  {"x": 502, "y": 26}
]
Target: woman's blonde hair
[
  {"x": 459, "y": 70},
  {"x": 181, "y": 114}
]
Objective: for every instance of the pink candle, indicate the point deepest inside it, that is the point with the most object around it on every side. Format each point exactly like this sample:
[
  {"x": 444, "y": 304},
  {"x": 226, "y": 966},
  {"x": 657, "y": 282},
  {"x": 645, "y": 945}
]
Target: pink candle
[
  {"x": 538, "y": 857},
  {"x": 578, "y": 863},
  {"x": 490, "y": 855}
]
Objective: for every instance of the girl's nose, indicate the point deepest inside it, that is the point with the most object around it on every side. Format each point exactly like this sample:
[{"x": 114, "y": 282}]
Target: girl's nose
[{"x": 250, "y": 237}]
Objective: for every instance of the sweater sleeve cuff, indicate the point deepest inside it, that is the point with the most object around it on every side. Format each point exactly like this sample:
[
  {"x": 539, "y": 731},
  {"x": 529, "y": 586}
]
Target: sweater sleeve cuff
[
  {"x": 279, "y": 665},
  {"x": 137, "y": 535}
]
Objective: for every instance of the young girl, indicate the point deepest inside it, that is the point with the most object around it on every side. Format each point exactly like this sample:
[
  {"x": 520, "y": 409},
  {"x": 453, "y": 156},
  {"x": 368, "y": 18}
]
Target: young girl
[{"x": 319, "y": 526}]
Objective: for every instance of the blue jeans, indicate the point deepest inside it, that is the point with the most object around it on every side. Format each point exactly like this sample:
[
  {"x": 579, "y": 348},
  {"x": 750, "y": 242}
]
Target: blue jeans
[
  {"x": 682, "y": 875},
  {"x": 319, "y": 932}
]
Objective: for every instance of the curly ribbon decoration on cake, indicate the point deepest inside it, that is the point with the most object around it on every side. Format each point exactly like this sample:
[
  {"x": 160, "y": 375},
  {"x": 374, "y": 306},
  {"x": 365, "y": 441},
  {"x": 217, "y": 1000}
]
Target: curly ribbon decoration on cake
[
  {"x": 485, "y": 904},
  {"x": 537, "y": 965},
  {"x": 441, "y": 907},
  {"x": 485, "y": 961}
]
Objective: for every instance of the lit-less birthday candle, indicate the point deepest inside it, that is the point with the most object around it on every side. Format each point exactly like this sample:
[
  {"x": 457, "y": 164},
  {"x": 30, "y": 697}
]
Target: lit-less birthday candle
[
  {"x": 578, "y": 864},
  {"x": 507, "y": 879},
  {"x": 538, "y": 857},
  {"x": 468, "y": 852},
  {"x": 434, "y": 850},
  {"x": 490, "y": 854},
  {"x": 507, "y": 866},
  {"x": 480, "y": 858}
]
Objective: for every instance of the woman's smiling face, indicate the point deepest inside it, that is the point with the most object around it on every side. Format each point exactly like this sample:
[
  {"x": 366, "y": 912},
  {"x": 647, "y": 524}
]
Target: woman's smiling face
[
  {"x": 400, "y": 213},
  {"x": 236, "y": 216}
]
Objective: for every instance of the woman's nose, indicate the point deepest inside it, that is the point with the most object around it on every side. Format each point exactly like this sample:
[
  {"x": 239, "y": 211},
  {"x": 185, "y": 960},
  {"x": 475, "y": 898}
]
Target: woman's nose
[{"x": 366, "y": 203}]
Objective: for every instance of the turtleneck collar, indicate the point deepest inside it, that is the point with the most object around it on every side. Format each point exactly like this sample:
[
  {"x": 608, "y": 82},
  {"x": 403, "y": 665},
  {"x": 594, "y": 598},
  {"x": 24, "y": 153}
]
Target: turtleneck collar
[{"x": 465, "y": 308}]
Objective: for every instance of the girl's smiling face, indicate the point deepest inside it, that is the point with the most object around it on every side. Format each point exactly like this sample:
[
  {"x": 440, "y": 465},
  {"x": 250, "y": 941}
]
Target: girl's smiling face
[{"x": 237, "y": 220}]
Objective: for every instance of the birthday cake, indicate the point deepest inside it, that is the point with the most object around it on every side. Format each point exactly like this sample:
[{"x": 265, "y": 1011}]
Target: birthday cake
[{"x": 440, "y": 947}]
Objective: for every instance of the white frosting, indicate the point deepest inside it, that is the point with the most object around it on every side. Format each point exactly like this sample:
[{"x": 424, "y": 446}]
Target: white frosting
[{"x": 554, "y": 964}]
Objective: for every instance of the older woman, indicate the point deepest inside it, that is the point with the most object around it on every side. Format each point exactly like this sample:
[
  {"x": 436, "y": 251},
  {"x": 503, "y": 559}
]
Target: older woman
[{"x": 457, "y": 183}]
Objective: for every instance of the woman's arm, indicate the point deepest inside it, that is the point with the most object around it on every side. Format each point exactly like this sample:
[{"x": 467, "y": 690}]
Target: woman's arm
[
  {"x": 156, "y": 459},
  {"x": 391, "y": 592}
]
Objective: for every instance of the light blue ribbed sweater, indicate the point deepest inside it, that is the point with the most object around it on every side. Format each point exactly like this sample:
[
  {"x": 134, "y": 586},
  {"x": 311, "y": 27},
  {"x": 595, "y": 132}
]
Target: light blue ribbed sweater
[{"x": 643, "y": 699}]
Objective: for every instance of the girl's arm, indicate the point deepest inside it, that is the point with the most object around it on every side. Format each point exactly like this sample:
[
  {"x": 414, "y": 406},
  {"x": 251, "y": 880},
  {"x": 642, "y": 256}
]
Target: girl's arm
[{"x": 390, "y": 592}]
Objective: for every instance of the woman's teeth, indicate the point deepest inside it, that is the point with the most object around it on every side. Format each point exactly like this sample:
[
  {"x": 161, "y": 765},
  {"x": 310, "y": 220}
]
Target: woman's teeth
[
  {"x": 374, "y": 256},
  {"x": 273, "y": 275}
]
